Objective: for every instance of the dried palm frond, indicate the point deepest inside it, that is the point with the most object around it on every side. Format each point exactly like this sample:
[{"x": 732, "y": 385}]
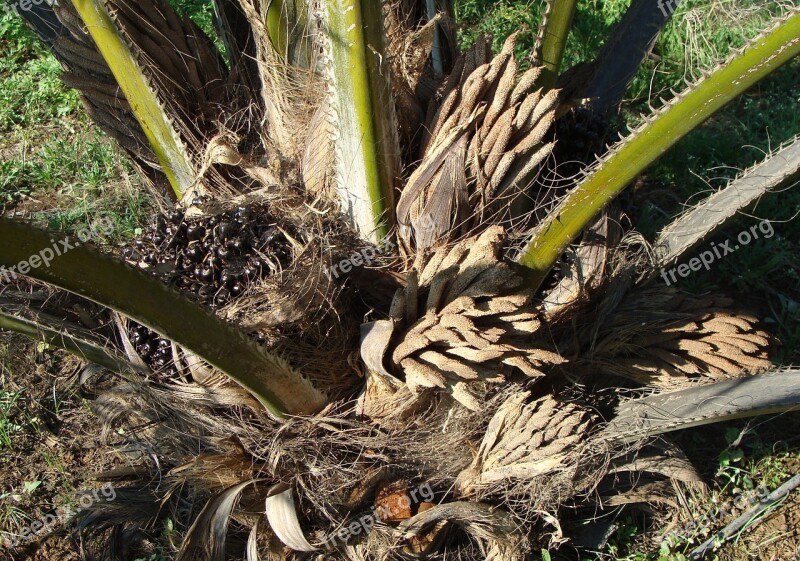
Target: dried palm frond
[
  {"x": 25, "y": 314},
  {"x": 485, "y": 139},
  {"x": 180, "y": 66},
  {"x": 663, "y": 337},
  {"x": 185, "y": 68},
  {"x": 589, "y": 268},
  {"x": 481, "y": 521},
  {"x": 284, "y": 93},
  {"x": 498, "y": 552},
  {"x": 240, "y": 46},
  {"x": 404, "y": 22},
  {"x": 114, "y": 527},
  {"x": 525, "y": 440},
  {"x": 85, "y": 70},
  {"x": 206, "y": 538},
  {"x": 410, "y": 45},
  {"x": 302, "y": 314},
  {"x": 659, "y": 457},
  {"x": 176, "y": 419},
  {"x": 467, "y": 318},
  {"x": 217, "y": 472},
  {"x": 304, "y": 292},
  {"x": 182, "y": 60}
]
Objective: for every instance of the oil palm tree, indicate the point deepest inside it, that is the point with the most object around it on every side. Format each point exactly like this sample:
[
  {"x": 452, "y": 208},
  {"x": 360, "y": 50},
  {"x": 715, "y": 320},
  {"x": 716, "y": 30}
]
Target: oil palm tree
[{"x": 356, "y": 216}]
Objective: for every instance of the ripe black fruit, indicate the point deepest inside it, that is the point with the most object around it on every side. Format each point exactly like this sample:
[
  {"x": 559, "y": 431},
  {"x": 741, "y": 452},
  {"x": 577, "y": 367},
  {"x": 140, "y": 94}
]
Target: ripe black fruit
[
  {"x": 212, "y": 259},
  {"x": 194, "y": 254},
  {"x": 195, "y": 232}
]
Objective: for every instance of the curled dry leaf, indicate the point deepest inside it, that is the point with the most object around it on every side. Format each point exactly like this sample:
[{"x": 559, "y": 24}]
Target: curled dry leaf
[
  {"x": 383, "y": 395},
  {"x": 282, "y": 517},
  {"x": 207, "y": 535},
  {"x": 481, "y": 521}
]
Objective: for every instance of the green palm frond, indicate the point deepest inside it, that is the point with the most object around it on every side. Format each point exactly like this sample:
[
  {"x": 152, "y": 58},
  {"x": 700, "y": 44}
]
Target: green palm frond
[
  {"x": 708, "y": 215},
  {"x": 362, "y": 132},
  {"x": 148, "y": 109},
  {"x": 776, "y": 391},
  {"x": 89, "y": 274},
  {"x": 81, "y": 342},
  {"x": 552, "y": 38},
  {"x": 652, "y": 139},
  {"x": 503, "y": 397}
]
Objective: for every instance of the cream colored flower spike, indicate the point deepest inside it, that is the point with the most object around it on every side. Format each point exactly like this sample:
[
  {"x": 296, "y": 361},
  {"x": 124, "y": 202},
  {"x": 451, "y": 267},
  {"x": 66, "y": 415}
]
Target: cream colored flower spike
[
  {"x": 468, "y": 321},
  {"x": 486, "y": 141}
]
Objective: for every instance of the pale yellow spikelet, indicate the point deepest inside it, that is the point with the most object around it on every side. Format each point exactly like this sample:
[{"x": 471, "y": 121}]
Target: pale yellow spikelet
[
  {"x": 477, "y": 324},
  {"x": 526, "y": 439},
  {"x": 662, "y": 337}
]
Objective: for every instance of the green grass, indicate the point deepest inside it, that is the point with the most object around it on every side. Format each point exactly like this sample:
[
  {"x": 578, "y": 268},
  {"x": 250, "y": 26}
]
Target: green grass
[
  {"x": 45, "y": 97},
  {"x": 65, "y": 163},
  {"x": 9, "y": 406},
  {"x": 755, "y": 462},
  {"x": 83, "y": 174},
  {"x": 15, "y": 418},
  {"x": 712, "y": 513},
  {"x": 51, "y": 155},
  {"x": 19, "y": 44},
  {"x": 500, "y": 19},
  {"x": 592, "y": 21},
  {"x": 11, "y": 517},
  {"x": 30, "y": 91},
  {"x": 699, "y": 35}
]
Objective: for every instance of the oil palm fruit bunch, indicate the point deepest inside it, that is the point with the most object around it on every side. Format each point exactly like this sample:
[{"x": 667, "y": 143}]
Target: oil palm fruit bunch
[
  {"x": 585, "y": 134},
  {"x": 214, "y": 259},
  {"x": 403, "y": 373}
]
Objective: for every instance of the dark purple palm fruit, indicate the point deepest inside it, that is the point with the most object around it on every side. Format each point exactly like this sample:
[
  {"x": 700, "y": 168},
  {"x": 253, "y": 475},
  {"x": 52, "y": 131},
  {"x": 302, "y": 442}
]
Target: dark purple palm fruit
[{"x": 211, "y": 259}]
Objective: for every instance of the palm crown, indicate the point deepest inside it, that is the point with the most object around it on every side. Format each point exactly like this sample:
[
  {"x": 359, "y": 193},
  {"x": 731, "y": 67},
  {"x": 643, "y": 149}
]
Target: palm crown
[{"x": 360, "y": 216}]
